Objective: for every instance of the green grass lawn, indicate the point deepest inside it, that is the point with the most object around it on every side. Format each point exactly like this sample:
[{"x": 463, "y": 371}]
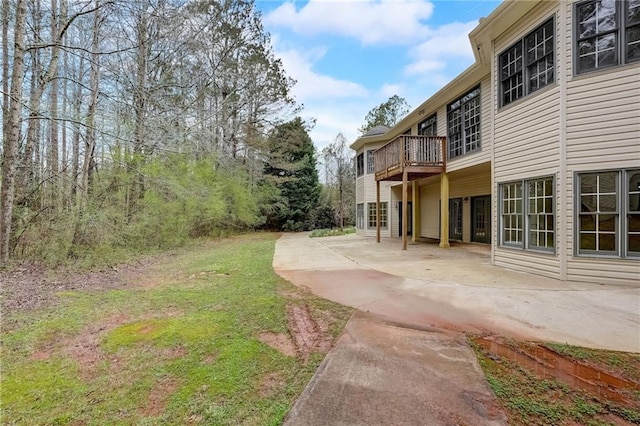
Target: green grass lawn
[{"x": 178, "y": 346}]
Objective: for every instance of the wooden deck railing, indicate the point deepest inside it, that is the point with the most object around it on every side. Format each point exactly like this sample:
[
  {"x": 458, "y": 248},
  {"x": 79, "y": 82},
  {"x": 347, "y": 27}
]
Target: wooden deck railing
[{"x": 410, "y": 151}]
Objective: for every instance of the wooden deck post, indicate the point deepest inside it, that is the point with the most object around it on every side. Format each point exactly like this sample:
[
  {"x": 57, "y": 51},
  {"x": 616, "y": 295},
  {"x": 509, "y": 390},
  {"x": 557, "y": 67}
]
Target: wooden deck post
[
  {"x": 415, "y": 196},
  {"x": 378, "y": 211},
  {"x": 405, "y": 213},
  {"x": 444, "y": 210}
]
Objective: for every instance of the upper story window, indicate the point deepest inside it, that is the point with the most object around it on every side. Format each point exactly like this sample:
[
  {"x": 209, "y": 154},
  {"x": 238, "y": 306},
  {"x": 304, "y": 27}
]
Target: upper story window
[
  {"x": 463, "y": 124},
  {"x": 528, "y": 65},
  {"x": 370, "y": 161},
  {"x": 360, "y": 165},
  {"x": 607, "y": 33},
  {"x": 429, "y": 127}
]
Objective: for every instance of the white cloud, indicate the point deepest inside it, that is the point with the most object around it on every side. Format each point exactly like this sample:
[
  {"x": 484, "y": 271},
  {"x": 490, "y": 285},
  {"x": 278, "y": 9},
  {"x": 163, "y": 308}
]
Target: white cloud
[
  {"x": 389, "y": 90},
  {"x": 312, "y": 85},
  {"x": 440, "y": 46},
  {"x": 369, "y": 21}
]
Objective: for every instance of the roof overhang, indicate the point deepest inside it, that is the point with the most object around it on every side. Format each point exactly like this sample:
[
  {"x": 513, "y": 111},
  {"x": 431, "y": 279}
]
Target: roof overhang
[
  {"x": 481, "y": 38},
  {"x": 503, "y": 17}
]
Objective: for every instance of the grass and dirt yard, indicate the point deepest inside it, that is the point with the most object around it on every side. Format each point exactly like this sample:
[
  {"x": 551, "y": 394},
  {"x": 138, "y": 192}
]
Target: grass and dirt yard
[
  {"x": 211, "y": 335},
  {"x": 205, "y": 335}
]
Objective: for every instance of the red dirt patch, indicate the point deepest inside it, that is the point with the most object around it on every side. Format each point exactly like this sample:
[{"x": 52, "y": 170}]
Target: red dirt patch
[
  {"x": 173, "y": 353},
  {"x": 85, "y": 347},
  {"x": 278, "y": 341},
  {"x": 308, "y": 336},
  {"x": 159, "y": 396},
  {"x": 271, "y": 385},
  {"x": 210, "y": 359}
]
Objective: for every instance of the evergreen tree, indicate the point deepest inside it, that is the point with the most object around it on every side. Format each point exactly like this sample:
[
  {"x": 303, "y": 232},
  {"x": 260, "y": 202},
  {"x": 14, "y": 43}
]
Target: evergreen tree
[{"x": 291, "y": 170}]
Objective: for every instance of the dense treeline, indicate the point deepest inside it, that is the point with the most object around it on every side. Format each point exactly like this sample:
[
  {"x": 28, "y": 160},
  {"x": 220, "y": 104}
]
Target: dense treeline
[{"x": 133, "y": 125}]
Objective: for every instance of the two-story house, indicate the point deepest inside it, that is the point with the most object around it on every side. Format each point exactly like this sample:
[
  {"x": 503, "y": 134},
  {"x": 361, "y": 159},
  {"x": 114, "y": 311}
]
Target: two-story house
[{"x": 534, "y": 149}]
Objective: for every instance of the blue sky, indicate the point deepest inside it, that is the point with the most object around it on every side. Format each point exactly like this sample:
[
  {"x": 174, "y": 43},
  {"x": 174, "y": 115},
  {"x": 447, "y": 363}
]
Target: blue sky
[{"x": 349, "y": 56}]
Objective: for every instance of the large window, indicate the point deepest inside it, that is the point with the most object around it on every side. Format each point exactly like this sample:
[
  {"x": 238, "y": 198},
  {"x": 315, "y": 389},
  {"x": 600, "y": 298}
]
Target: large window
[
  {"x": 603, "y": 199},
  {"x": 371, "y": 165},
  {"x": 372, "y": 215},
  {"x": 429, "y": 127},
  {"x": 528, "y": 65},
  {"x": 527, "y": 216},
  {"x": 463, "y": 124},
  {"x": 360, "y": 216},
  {"x": 607, "y": 33},
  {"x": 360, "y": 165},
  {"x": 511, "y": 215}
]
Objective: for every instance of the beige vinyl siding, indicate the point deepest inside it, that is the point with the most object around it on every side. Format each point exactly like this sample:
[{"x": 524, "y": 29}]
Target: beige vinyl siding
[
  {"x": 603, "y": 133},
  {"x": 527, "y": 142},
  {"x": 605, "y": 271},
  {"x": 531, "y": 262},
  {"x": 430, "y": 209},
  {"x": 366, "y": 193},
  {"x": 527, "y": 131},
  {"x": 603, "y": 120},
  {"x": 463, "y": 184},
  {"x": 486, "y": 115}
]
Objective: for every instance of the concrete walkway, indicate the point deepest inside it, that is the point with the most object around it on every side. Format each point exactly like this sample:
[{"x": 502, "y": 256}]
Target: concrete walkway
[
  {"x": 458, "y": 289},
  {"x": 401, "y": 360}
]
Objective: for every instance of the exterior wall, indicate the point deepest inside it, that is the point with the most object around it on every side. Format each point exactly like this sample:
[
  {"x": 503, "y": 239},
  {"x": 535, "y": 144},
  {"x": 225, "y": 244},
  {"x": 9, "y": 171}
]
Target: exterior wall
[
  {"x": 467, "y": 184},
  {"x": 602, "y": 133},
  {"x": 580, "y": 123},
  {"x": 527, "y": 141},
  {"x": 366, "y": 193},
  {"x": 486, "y": 116}
]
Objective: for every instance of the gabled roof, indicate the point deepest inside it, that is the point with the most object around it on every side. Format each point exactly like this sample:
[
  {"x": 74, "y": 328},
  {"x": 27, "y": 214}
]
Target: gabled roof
[{"x": 378, "y": 130}]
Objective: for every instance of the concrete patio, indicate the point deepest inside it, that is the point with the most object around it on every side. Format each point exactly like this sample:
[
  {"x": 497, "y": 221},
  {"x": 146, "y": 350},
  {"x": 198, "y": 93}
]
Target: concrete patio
[{"x": 458, "y": 289}]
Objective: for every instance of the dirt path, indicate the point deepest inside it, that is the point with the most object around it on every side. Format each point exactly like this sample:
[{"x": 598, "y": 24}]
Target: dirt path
[{"x": 32, "y": 287}]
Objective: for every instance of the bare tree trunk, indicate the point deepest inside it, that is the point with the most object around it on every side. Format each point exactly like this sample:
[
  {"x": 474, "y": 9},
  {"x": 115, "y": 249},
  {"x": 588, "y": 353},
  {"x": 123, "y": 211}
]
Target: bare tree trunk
[
  {"x": 13, "y": 133},
  {"x": 29, "y": 167},
  {"x": 53, "y": 124},
  {"x": 5, "y": 66},
  {"x": 90, "y": 137},
  {"x": 139, "y": 104},
  {"x": 65, "y": 94},
  {"x": 75, "y": 139}
]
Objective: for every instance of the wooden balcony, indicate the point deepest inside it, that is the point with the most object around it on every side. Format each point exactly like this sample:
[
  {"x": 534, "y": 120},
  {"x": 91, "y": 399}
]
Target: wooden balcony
[{"x": 418, "y": 156}]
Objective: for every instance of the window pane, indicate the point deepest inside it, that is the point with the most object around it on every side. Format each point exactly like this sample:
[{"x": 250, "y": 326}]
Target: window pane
[
  {"x": 607, "y": 242},
  {"x": 550, "y": 240},
  {"x": 587, "y": 241},
  {"x": 634, "y": 243},
  {"x": 606, "y": 222},
  {"x": 633, "y": 43},
  {"x": 548, "y": 205},
  {"x": 606, "y": 50},
  {"x": 586, "y": 20},
  {"x": 634, "y": 223},
  {"x": 587, "y": 62},
  {"x": 633, "y": 12},
  {"x": 587, "y": 223},
  {"x": 608, "y": 203},
  {"x": 588, "y": 203},
  {"x": 550, "y": 223},
  {"x": 608, "y": 182},
  {"x": 606, "y": 10},
  {"x": 588, "y": 184},
  {"x": 634, "y": 190}
]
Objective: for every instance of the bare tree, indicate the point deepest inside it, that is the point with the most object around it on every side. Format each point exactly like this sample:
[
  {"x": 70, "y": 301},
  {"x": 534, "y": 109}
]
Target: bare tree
[
  {"x": 338, "y": 165},
  {"x": 9, "y": 157}
]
